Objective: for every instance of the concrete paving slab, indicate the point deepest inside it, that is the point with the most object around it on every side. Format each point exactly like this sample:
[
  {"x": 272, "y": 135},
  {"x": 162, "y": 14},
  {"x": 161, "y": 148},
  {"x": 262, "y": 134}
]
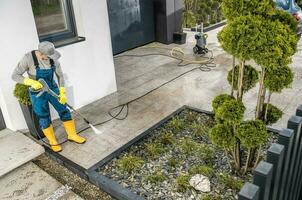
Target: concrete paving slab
[
  {"x": 136, "y": 76},
  {"x": 16, "y": 149},
  {"x": 31, "y": 182}
]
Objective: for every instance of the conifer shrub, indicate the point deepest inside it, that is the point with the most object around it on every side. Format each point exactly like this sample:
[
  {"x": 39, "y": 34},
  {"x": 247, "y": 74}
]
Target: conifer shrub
[
  {"x": 252, "y": 133},
  {"x": 250, "y": 77},
  {"x": 220, "y": 99},
  {"x": 273, "y": 114},
  {"x": 231, "y": 111}
]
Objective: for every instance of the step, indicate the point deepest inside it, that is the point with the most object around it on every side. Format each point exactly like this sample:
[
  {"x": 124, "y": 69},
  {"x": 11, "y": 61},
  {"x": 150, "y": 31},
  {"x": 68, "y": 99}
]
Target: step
[
  {"x": 31, "y": 182},
  {"x": 16, "y": 149}
]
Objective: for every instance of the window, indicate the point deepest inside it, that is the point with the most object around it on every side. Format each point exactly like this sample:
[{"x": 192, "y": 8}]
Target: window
[{"x": 54, "y": 20}]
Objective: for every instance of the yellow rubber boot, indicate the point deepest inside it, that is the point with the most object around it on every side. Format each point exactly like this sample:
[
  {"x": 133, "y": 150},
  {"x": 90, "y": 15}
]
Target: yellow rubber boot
[
  {"x": 71, "y": 132},
  {"x": 49, "y": 133}
]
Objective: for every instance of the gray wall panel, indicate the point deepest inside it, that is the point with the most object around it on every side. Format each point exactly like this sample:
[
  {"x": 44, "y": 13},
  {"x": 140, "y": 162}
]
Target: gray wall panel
[{"x": 131, "y": 23}]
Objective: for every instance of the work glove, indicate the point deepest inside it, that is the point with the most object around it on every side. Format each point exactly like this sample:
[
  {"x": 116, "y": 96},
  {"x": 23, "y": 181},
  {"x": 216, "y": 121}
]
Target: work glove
[
  {"x": 62, "y": 96},
  {"x": 36, "y": 85}
]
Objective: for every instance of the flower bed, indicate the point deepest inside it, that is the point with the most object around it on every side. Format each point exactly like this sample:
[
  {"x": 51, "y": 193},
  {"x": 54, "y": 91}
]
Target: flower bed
[{"x": 161, "y": 165}]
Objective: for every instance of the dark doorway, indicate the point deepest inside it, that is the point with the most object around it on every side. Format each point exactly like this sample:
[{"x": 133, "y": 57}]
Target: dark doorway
[
  {"x": 2, "y": 122},
  {"x": 131, "y": 23}
]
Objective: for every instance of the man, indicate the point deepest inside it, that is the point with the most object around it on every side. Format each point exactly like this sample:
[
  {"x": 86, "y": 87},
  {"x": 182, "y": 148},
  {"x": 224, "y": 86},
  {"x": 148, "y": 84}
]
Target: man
[{"x": 44, "y": 64}]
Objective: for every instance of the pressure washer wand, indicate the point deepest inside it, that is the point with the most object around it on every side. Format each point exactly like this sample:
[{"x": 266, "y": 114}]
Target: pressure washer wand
[
  {"x": 95, "y": 130},
  {"x": 52, "y": 93}
]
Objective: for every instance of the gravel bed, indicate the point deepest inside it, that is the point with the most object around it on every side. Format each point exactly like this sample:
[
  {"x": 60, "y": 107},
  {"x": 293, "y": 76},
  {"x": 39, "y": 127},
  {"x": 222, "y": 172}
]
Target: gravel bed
[{"x": 158, "y": 170}]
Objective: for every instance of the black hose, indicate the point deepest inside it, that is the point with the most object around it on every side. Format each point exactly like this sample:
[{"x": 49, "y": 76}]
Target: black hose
[{"x": 204, "y": 67}]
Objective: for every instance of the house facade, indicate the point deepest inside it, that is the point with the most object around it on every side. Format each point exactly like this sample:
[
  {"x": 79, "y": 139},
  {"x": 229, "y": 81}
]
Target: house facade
[{"x": 86, "y": 33}]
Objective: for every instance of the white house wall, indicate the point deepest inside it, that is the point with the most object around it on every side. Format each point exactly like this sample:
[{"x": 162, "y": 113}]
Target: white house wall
[{"x": 88, "y": 65}]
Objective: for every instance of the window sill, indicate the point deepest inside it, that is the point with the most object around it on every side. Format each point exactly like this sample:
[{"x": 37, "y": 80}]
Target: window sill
[{"x": 69, "y": 41}]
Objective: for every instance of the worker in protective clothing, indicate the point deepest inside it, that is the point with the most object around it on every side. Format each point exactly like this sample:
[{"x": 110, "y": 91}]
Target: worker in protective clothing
[{"x": 43, "y": 64}]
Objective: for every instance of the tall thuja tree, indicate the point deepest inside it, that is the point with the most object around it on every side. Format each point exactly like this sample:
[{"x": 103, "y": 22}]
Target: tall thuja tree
[
  {"x": 255, "y": 31},
  {"x": 276, "y": 44}
]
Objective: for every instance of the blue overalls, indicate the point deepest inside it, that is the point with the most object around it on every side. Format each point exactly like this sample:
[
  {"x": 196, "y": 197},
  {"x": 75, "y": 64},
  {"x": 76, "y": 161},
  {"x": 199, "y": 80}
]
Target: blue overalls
[{"x": 40, "y": 104}]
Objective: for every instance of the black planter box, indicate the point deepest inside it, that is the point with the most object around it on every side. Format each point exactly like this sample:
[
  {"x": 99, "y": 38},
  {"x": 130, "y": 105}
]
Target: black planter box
[
  {"x": 32, "y": 121},
  {"x": 179, "y": 38}
]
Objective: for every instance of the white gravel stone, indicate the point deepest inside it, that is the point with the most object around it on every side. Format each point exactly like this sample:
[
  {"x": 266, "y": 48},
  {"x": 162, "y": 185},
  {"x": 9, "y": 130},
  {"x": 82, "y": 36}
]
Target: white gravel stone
[{"x": 200, "y": 183}]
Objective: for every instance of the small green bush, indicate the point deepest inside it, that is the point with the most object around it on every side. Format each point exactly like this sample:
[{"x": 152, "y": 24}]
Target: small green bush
[
  {"x": 199, "y": 130},
  {"x": 21, "y": 92},
  {"x": 250, "y": 77},
  {"x": 213, "y": 21},
  {"x": 231, "y": 111},
  {"x": 182, "y": 183},
  {"x": 173, "y": 162},
  {"x": 278, "y": 78},
  {"x": 203, "y": 169},
  {"x": 252, "y": 133},
  {"x": 273, "y": 113},
  {"x": 191, "y": 117},
  {"x": 154, "y": 149},
  {"x": 230, "y": 182},
  {"x": 176, "y": 124},
  {"x": 188, "y": 146},
  {"x": 222, "y": 135},
  {"x": 166, "y": 138},
  {"x": 189, "y": 19},
  {"x": 157, "y": 176},
  {"x": 220, "y": 99},
  {"x": 129, "y": 163},
  {"x": 206, "y": 153}
]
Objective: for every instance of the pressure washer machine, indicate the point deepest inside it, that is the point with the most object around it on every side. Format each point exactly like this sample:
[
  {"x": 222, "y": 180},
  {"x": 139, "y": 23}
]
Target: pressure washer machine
[{"x": 201, "y": 42}]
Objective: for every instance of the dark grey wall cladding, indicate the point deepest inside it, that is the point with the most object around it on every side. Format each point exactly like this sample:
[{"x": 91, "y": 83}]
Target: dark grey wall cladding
[
  {"x": 168, "y": 15},
  {"x": 131, "y": 23}
]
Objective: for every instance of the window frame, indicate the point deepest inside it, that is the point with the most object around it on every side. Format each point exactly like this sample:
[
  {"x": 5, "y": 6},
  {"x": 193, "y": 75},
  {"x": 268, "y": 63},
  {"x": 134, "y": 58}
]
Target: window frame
[{"x": 71, "y": 26}]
